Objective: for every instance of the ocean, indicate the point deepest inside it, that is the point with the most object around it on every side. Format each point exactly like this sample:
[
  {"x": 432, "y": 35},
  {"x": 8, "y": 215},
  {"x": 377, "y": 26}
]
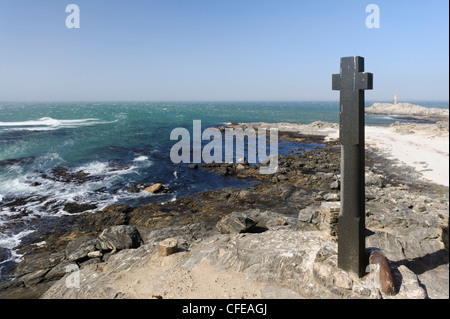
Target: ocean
[{"x": 118, "y": 145}]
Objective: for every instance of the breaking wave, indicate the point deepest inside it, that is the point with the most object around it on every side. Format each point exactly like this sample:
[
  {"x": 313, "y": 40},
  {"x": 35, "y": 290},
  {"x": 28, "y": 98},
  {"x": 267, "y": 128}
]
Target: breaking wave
[{"x": 48, "y": 124}]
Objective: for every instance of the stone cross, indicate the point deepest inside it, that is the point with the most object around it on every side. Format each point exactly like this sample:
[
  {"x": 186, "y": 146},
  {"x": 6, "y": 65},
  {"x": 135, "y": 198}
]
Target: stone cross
[{"x": 352, "y": 81}]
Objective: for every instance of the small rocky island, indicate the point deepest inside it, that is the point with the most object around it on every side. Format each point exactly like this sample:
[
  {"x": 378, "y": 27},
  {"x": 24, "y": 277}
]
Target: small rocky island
[{"x": 408, "y": 110}]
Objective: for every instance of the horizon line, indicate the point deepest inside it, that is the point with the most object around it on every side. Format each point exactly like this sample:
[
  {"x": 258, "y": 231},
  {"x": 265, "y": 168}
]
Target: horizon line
[{"x": 214, "y": 101}]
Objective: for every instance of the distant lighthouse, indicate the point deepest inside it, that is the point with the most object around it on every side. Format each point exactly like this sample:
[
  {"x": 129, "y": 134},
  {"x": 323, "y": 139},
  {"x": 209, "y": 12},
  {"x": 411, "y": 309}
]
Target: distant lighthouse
[{"x": 395, "y": 98}]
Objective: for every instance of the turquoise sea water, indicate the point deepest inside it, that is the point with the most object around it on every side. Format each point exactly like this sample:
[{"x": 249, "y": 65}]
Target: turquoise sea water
[{"x": 119, "y": 145}]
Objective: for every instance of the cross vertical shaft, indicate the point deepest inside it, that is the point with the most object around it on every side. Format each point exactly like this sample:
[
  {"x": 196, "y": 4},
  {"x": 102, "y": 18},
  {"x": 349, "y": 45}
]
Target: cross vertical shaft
[{"x": 352, "y": 81}]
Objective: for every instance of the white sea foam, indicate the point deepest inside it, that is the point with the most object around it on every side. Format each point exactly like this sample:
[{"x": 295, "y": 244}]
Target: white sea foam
[
  {"x": 94, "y": 168},
  {"x": 31, "y": 129},
  {"x": 51, "y": 196},
  {"x": 12, "y": 241},
  {"x": 140, "y": 159},
  {"x": 48, "y": 124}
]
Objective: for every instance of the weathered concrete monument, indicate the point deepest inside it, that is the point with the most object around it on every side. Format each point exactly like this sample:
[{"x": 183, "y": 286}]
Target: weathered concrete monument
[{"x": 351, "y": 82}]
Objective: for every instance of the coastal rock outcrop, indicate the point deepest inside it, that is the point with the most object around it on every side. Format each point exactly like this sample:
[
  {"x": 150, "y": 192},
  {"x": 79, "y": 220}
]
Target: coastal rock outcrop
[
  {"x": 407, "y": 109},
  {"x": 290, "y": 245},
  {"x": 37, "y": 272},
  {"x": 243, "y": 265}
]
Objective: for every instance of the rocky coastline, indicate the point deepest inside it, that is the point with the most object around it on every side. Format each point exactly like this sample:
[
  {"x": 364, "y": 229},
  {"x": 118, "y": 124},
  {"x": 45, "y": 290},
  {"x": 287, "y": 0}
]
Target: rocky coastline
[
  {"x": 285, "y": 248},
  {"x": 409, "y": 110}
]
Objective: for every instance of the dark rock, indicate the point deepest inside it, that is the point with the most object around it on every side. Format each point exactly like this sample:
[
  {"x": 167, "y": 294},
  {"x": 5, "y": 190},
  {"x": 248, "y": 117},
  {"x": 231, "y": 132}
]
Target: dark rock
[
  {"x": 235, "y": 223},
  {"x": 110, "y": 216},
  {"x": 106, "y": 257},
  {"x": 75, "y": 208},
  {"x": 78, "y": 249},
  {"x": 34, "y": 184},
  {"x": 444, "y": 235},
  {"x": 125, "y": 209},
  {"x": 193, "y": 166},
  {"x": 60, "y": 270},
  {"x": 4, "y": 254},
  {"x": 63, "y": 174},
  {"x": 133, "y": 189},
  {"x": 119, "y": 168},
  {"x": 380, "y": 265},
  {"x": 224, "y": 171},
  {"x": 33, "y": 268},
  {"x": 119, "y": 237}
]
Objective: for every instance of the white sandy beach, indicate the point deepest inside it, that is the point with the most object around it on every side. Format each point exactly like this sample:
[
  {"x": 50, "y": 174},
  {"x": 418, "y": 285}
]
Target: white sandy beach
[{"x": 422, "y": 146}]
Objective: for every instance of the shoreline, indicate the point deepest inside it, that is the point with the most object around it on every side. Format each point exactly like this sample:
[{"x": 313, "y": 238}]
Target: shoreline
[{"x": 302, "y": 184}]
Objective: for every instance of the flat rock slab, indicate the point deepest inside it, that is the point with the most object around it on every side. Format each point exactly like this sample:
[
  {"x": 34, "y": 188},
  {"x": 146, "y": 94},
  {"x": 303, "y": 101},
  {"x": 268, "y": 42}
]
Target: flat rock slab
[{"x": 276, "y": 263}]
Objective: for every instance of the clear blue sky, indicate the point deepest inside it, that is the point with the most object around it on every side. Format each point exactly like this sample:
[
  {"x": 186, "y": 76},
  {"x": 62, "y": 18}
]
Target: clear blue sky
[{"x": 219, "y": 49}]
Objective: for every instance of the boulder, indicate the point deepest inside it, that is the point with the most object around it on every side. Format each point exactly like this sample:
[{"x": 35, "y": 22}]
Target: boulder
[
  {"x": 380, "y": 265},
  {"x": 155, "y": 188},
  {"x": 331, "y": 197},
  {"x": 118, "y": 238},
  {"x": 133, "y": 189},
  {"x": 309, "y": 214},
  {"x": 4, "y": 254},
  {"x": 75, "y": 208},
  {"x": 335, "y": 185},
  {"x": 235, "y": 223}
]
